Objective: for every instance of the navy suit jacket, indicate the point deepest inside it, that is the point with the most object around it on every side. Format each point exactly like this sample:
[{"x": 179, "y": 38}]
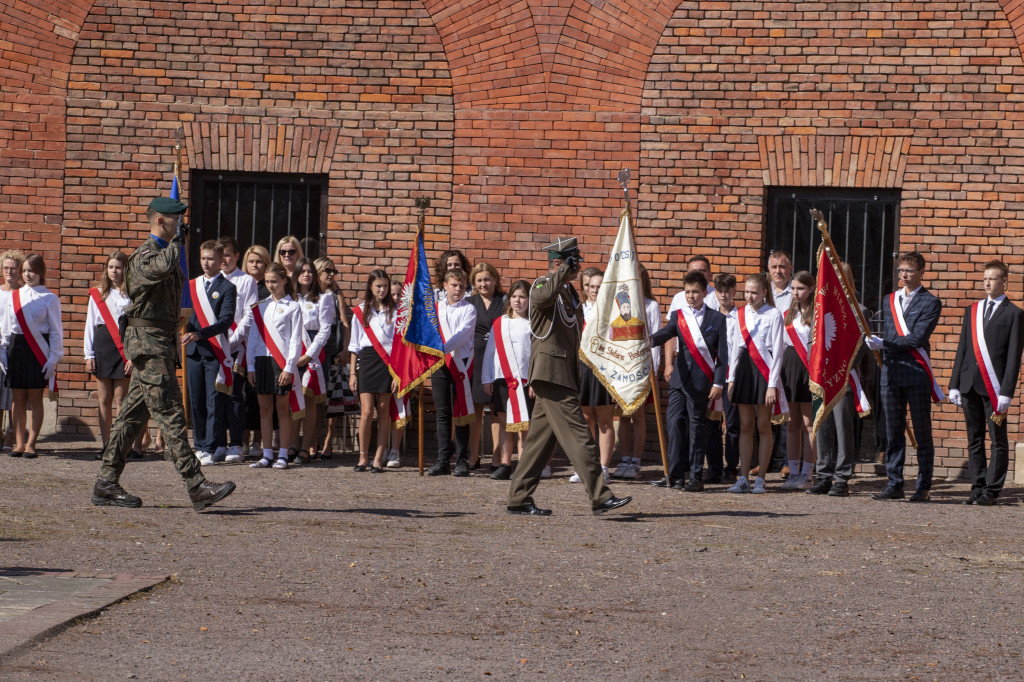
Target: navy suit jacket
[
  {"x": 713, "y": 329},
  {"x": 1004, "y": 336},
  {"x": 223, "y": 309},
  {"x": 899, "y": 368}
]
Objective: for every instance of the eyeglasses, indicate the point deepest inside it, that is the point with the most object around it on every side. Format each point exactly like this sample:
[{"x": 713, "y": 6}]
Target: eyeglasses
[
  {"x": 904, "y": 271},
  {"x": 288, "y": 252}
]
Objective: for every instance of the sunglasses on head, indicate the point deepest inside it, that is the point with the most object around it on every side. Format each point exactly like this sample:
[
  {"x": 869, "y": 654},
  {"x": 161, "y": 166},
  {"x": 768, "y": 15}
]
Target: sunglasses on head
[{"x": 288, "y": 252}]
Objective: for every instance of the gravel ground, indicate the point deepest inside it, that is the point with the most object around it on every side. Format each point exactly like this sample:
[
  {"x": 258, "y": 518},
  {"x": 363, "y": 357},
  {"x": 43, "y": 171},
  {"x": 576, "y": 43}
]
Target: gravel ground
[{"x": 319, "y": 572}]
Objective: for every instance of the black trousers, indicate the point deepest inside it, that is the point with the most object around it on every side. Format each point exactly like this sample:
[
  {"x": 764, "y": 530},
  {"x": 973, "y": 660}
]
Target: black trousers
[
  {"x": 986, "y": 476},
  {"x": 688, "y": 453},
  {"x": 732, "y": 442},
  {"x": 895, "y": 400},
  {"x": 442, "y": 385}
]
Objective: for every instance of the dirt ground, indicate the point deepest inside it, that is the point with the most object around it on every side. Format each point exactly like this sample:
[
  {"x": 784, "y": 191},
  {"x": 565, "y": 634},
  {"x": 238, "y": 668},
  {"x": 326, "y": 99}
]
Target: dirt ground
[{"x": 319, "y": 572}]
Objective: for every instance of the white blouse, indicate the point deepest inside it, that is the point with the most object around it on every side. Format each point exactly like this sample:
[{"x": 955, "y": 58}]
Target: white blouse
[
  {"x": 285, "y": 317},
  {"x": 41, "y": 308},
  {"x": 653, "y": 311},
  {"x": 117, "y": 302},
  {"x": 458, "y": 323},
  {"x": 318, "y": 315},
  {"x": 247, "y": 294},
  {"x": 382, "y": 328},
  {"x": 519, "y": 334},
  {"x": 802, "y": 330},
  {"x": 765, "y": 325}
]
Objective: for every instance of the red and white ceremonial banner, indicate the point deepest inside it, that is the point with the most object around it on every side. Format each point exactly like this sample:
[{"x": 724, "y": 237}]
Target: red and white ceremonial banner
[
  {"x": 108, "y": 319},
  {"x": 314, "y": 384},
  {"x": 40, "y": 348},
  {"x": 517, "y": 415},
  {"x": 462, "y": 371},
  {"x": 203, "y": 309},
  {"x": 859, "y": 394},
  {"x": 919, "y": 354},
  {"x": 758, "y": 353},
  {"x": 398, "y": 411},
  {"x": 836, "y": 337},
  {"x": 984, "y": 360},
  {"x": 700, "y": 352},
  {"x": 272, "y": 339}
]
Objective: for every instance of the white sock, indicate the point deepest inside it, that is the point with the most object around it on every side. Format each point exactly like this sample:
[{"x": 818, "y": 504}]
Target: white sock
[
  {"x": 282, "y": 454},
  {"x": 268, "y": 453},
  {"x": 807, "y": 469},
  {"x": 794, "y": 467}
]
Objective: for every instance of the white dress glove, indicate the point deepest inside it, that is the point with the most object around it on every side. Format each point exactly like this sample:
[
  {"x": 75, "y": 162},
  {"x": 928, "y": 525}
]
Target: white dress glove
[
  {"x": 954, "y": 397},
  {"x": 50, "y": 368},
  {"x": 873, "y": 342},
  {"x": 1004, "y": 404}
]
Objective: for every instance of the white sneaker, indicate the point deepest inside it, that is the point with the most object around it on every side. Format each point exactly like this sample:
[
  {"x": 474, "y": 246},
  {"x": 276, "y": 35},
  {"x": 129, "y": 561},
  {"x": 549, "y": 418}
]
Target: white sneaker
[
  {"x": 759, "y": 488},
  {"x": 235, "y": 455},
  {"x": 393, "y": 460},
  {"x": 622, "y": 471},
  {"x": 547, "y": 472},
  {"x": 205, "y": 458},
  {"x": 575, "y": 478},
  {"x": 633, "y": 472},
  {"x": 740, "y": 486},
  {"x": 794, "y": 482}
]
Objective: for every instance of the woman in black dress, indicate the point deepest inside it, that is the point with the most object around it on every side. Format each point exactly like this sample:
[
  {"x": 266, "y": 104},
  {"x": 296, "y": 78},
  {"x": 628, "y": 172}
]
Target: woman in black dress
[{"x": 489, "y": 300}]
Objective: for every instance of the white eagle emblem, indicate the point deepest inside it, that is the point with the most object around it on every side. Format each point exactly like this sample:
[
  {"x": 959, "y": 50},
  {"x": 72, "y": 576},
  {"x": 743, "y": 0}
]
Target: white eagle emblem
[
  {"x": 830, "y": 330},
  {"x": 405, "y": 308}
]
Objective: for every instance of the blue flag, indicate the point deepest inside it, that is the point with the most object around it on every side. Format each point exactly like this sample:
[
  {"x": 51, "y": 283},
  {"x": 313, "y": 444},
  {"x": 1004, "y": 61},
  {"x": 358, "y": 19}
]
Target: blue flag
[
  {"x": 186, "y": 296},
  {"x": 417, "y": 349}
]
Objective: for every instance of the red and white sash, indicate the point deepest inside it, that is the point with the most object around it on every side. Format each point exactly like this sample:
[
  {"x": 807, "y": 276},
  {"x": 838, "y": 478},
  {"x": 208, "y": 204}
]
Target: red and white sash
[
  {"x": 108, "y": 320},
  {"x": 462, "y": 371},
  {"x": 758, "y": 353},
  {"x": 920, "y": 354},
  {"x": 517, "y": 415},
  {"x": 699, "y": 351},
  {"x": 203, "y": 310},
  {"x": 982, "y": 357},
  {"x": 40, "y": 348},
  {"x": 313, "y": 383},
  {"x": 398, "y": 410},
  {"x": 859, "y": 394},
  {"x": 799, "y": 345},
  {"x": 274, "y": 342},
  {"x": 238, "y": 352}
]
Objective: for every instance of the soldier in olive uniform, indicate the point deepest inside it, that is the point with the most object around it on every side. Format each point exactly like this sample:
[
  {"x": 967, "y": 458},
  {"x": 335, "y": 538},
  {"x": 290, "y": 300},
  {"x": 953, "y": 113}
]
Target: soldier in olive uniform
[
  {"x": 153, "y": 281},
  {"x": 556, "y": 319}
]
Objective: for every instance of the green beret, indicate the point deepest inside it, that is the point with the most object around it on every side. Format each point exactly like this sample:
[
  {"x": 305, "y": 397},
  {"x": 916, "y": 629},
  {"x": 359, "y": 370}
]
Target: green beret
[{"x": 167, "y": 206}]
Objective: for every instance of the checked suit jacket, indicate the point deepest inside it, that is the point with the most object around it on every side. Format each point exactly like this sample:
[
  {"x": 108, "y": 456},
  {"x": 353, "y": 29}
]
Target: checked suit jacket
[
  {"x": 713, "y": 329},
  {"x": 899, "y": 368},
  {"x": 1004, "y": 336}
]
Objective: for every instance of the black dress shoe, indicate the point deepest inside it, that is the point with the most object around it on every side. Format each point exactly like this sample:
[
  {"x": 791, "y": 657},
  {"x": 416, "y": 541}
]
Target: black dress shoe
[
  {"x": 728, "y": 479},
  {"x": 975, "y": 494},
  {"x": 985, "y": 501},
  {"x": 29, "y": 455},
  {"x": 820, "y": 487},
  {"x": 461, "y": 469},
  {"x": 207, "y": 493},
  {"x": 678, "y": 483},
  {"x": 502, "y": 473},
  {"x": 713, "y": 479},
  {"x": 694, "y": 486},
  {"x": 920, "y": 496},
  {"x": 376, "y": 470},
  {"x": 14, "y": 453},
  {"x": 890, "y": 493},
  {"x": 663, "y": 482},
  {"x": 610, "y": 504},
  {"x": 529, "y": 509},
  {"x": 110, "y": 493},
  {"x": 359, "y": 467},
  {"x": 840, "y": 489},
  {"x": 476, "y": 466},
  {"x": 441, "y": 468}
]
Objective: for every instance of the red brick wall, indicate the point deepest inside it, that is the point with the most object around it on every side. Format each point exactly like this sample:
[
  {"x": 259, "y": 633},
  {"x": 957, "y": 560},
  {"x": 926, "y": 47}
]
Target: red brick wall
[{"x": 515, "y": 115}]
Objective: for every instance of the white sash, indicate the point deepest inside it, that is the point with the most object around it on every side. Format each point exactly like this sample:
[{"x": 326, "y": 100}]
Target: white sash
[
  {"x": 859, "y": 394},
  {"x": 219, "y": 343},
  {"x": 984, "y": 360},
  {"x": 275, "y": 345},
  {"x": 920, "y": 354},
  {"x": 759, "y": 355},
  {"x": 517, "y": 411},
  {"x": 697, "y": 345},
  {"x": 313, "y": 383},
  {"x": 40, "y": 348},
  {"x": 462, "y": 371}
]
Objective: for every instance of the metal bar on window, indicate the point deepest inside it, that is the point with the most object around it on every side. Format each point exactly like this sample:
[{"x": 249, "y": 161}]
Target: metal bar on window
[{"x": 255, "y": 192}]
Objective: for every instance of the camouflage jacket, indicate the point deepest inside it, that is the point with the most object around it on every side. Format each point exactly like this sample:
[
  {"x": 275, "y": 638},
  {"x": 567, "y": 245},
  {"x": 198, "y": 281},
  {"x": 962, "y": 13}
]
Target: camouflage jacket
[{"x": 153, "y": 281}]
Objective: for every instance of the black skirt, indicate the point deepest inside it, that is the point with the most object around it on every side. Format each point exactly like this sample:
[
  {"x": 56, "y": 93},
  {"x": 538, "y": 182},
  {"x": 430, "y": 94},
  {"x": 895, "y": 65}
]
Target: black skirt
[
  {"x": 795, "y": 379},
  {"x": 373, "y": 376},
  {"x": 501, "y": 398},
  {"x": 592, "y": 391},
  {"x": 109, "y": 364},
  {"x": 267, "y": 375},
  {"x": 749, "y": 387},
  {"x": 23, "y": 370}
]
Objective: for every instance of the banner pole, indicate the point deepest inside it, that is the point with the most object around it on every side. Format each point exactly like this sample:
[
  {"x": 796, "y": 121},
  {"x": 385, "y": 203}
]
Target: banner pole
[
  {"x": 179, "y": 135},
  {"x": 851, "y": 292},
  {"x": 422, "y": 205}
]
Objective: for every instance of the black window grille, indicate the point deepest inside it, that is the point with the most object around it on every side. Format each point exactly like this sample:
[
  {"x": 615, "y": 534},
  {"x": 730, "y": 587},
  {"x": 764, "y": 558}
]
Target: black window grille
[
  {"x": 864, "y": 224},
  {"x": 258, "y": 208}
]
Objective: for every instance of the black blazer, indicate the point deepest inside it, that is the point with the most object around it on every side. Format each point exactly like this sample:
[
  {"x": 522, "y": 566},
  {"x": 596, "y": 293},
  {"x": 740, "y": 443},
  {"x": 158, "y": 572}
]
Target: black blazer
[
  {"x": 899, "y": 368},
  {"x": 1004, "y": 336},
  {"x": 714, "y": 330},
  {"x": 223, "y": 296}
]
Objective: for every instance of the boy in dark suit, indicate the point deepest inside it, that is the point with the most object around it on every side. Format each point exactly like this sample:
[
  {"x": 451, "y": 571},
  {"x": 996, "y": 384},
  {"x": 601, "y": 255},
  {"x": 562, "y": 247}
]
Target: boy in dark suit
[
  {"x": 984, "y": 379},
  {"x": 702, "y": 356},
  {"x": 205, "y": 341},
  {"x": 909, "y": 316}
]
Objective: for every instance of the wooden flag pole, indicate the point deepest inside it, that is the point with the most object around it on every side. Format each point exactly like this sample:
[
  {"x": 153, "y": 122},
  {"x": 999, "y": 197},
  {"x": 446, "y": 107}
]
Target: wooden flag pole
[
  {"x": 655, "y": 390},
  {"x": 179, "y": 135},
  {"x": 851, "y": 293}
]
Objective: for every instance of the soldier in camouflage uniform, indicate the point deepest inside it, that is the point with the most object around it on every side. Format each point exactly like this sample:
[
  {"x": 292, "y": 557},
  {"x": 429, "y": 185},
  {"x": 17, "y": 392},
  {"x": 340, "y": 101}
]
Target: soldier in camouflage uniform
[{"x": 153, "y": 282}]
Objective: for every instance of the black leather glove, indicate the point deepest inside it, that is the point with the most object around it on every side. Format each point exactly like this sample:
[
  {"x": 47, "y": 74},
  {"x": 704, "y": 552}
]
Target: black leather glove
[
  {"x": 573, "y": 261},
  {"x": 182, "y": 232}
]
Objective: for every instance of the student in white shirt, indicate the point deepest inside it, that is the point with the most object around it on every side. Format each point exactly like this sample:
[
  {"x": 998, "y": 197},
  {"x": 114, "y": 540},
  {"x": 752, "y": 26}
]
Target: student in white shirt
[
  {"x": 10, "y": 261},
  {"x": 246, "y": 296},
  {"x": 596, "y": 402},
  {"x": 457, "y": 318},
  {"x": 317, "y": 317},
  {"x": 493, "y": 378},
  {"x": 719, "y": 472},
  {"x": 272, "y": 382},
  {"x": 337, "y": 345},
  {"x": 373, "y": 330},
  {"x": 748, "y": 389},
  {"x": 26, "y": 374},
  {"x": 801, "y": 449}
]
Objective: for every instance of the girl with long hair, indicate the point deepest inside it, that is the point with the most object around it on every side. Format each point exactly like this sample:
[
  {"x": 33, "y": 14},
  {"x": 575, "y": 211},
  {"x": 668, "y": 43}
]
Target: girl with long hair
[
  {"x": 336, "y": 349},
  {"x": 288, "y": 253},
  {"x": 796, "y": 382},
  {"x": 10, "y": 261},
  {"x": 317, "y": 317},
  {"x": 490, "y": 302}
]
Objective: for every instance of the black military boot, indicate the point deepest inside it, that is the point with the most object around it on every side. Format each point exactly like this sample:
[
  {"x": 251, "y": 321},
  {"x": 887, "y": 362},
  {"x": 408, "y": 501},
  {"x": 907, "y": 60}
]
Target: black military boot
[
  {"x": 461, "y": 467},
  {"x": 441, "y": 468},
  {"x": 207, "y": 493},
  {"x": 110, "y": 493}
]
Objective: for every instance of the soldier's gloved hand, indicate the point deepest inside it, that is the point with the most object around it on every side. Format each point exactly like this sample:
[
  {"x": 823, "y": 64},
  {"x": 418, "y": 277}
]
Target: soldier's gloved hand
[
  {"x": 573, "y": 261},
  {"x": 182, "y": 232}
]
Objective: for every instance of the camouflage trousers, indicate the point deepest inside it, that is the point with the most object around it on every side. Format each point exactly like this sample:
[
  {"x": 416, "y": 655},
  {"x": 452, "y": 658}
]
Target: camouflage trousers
[{"x": 153, "y": 391}]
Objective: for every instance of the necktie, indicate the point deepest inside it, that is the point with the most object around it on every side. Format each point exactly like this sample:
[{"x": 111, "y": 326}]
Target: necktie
[
  {"x": 989, "y": 307},
  {"x": 209, "y": 283}
]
